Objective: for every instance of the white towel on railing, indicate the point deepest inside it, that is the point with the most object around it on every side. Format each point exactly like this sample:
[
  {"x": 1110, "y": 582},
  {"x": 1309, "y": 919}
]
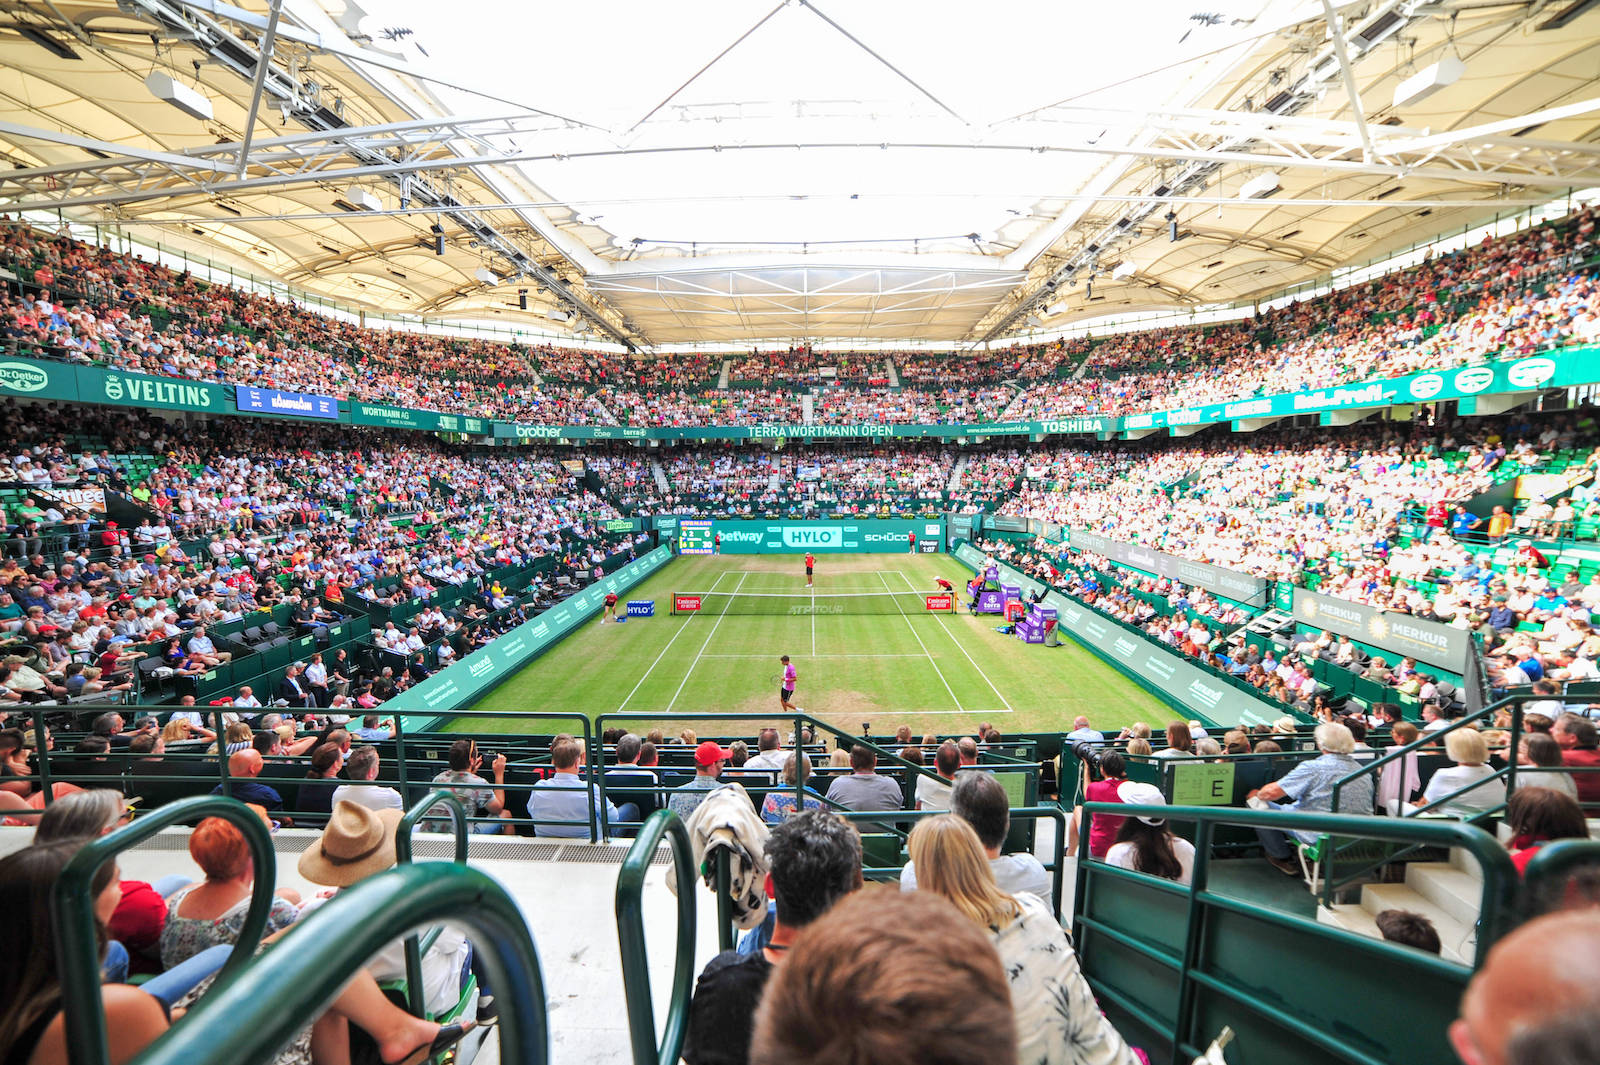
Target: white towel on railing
[{"x": 726, "y": 820}]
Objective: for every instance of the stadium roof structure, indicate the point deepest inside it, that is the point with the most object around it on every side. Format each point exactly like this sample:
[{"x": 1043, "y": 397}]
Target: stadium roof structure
[{"x": 722, "y": 172}]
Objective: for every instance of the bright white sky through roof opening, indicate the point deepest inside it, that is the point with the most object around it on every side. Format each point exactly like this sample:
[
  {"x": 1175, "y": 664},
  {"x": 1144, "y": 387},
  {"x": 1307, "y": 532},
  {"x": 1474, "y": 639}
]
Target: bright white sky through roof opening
[{"x": 798, "y": 80}]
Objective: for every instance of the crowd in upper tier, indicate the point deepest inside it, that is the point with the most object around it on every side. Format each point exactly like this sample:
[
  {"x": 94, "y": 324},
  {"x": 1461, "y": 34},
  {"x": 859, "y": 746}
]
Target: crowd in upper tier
[{"x": 1528, "y": 292}]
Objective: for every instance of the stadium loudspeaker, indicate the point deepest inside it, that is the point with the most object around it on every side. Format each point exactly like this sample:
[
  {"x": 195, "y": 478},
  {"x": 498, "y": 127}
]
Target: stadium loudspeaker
[{"x": 522, "y": 298}]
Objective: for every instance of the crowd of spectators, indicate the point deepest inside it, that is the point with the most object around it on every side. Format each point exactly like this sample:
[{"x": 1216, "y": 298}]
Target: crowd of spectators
[
  {"x": 248, "y": 515},
  {"x": 859, "y": 478},
  {"x": 1323, "y": 510},
  {"x": 803, "y": 366},
  {"x": 1524, "y": 293}
]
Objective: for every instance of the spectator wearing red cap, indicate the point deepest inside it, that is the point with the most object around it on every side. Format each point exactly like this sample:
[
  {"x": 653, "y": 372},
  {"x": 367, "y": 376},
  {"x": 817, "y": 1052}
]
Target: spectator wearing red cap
[{"x": 708, "y": 762}]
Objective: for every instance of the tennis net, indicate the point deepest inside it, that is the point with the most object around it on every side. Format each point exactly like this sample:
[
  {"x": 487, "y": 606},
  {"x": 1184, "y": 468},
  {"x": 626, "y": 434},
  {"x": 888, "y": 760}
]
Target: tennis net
[{"x": 805, "y": 605}]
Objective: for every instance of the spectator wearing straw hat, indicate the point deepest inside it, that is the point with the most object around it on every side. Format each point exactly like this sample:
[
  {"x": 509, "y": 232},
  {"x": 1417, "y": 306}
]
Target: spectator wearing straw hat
[{"x": 359, "y": 842}]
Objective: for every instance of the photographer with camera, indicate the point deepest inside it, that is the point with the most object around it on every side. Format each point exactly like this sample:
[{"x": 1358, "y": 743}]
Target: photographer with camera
[
  {"x": 476, "y": 794},
  {"x": 1112, "y": 772}
]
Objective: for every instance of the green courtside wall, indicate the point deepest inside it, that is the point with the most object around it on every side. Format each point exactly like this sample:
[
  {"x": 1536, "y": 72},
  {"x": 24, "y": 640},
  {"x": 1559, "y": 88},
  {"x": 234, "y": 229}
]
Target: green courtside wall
[
  {"x": 45, "y": 379},
  {"x": 1169, "y": 676},
  {"x": 886, "y": 535},
  {"x": 456, "y": 687}
]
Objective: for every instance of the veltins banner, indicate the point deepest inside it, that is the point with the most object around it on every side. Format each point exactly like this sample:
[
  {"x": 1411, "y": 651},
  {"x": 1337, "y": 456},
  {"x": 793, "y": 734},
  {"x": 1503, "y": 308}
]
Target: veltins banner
[{"x": 1427, "y": 641}]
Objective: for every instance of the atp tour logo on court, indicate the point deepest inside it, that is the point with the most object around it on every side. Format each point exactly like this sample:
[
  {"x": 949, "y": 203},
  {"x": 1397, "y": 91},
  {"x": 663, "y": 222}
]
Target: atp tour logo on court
[{"x": 813, "y": 536}]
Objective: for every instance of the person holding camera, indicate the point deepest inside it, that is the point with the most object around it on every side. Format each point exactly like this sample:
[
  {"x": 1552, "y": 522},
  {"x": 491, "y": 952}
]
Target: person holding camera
[
  {"x": 1113, "y": 774},
  {"x": 476, "y": 794}
]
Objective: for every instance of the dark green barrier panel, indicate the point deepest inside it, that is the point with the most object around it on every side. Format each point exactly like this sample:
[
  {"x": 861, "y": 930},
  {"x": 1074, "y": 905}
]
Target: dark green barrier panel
[
  {"x": 630, "y": 940},
  {"x": 1180, "y": 962},
  {"x": 246, "y": 1020},
  {"x": 453, "y": 688},
  {"x": 77, "y": 946}
]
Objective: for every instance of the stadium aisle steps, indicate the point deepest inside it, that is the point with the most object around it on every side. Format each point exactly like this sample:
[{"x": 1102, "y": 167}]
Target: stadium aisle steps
[{"x": 1446, "y": 893}]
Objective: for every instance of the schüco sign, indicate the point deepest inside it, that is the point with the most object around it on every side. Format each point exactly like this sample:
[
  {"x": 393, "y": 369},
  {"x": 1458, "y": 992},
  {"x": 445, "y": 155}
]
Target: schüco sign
[{"x": 21, "y": 377}]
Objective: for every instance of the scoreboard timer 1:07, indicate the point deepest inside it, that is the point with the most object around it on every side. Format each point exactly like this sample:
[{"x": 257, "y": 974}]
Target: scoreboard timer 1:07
[{"x": 695, "y": 537}]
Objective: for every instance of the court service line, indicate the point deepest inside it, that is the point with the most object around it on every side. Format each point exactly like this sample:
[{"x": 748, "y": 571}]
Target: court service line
[
  {"x": 813, "y": 622},
  {"x": 907, "y": 618},
  {"x": 962, "y": 649},
  {"x": 643, "y": 677},
  {"x": 714, "y": 626},
  {"x": 829, "y": 655}
]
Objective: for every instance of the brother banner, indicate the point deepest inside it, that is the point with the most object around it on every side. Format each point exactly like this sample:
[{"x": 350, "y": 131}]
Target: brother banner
[
  {"x": 821, "y": 537},
  {"x": 1427, "y": 641},
  {"x": 1240, "y": 587}
]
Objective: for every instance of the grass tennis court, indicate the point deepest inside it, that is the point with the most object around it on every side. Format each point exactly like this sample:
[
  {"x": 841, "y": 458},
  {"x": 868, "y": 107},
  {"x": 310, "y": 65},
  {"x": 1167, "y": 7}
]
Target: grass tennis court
[{"x": 942, "y": 673}]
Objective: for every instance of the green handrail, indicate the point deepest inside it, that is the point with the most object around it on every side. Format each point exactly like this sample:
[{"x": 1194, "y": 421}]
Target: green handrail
[
  {"x": 73, "y": 911},
  {"x": 630, "y": 938},
  {"x": 415, "y": 948},
  {"x": 247, "y": 1019},
  {"x": 1500, "y": 880}
]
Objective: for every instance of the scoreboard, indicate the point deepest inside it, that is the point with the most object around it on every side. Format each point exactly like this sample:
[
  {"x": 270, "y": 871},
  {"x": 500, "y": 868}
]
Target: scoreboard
[{"x": 695, "y": 537}]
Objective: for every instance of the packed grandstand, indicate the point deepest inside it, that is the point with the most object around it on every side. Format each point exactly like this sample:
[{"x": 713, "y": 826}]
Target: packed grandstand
[{"x": 445, "y": 551}]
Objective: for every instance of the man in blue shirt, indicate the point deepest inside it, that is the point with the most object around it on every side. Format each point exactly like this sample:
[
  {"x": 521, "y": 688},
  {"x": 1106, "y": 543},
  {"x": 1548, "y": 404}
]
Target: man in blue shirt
[
  {"x": 243, "y": 767},
  {"x": 566, "y": 797},
  {"x": 1461, "y": 522},
  {"x": 1308, "y": 787}
]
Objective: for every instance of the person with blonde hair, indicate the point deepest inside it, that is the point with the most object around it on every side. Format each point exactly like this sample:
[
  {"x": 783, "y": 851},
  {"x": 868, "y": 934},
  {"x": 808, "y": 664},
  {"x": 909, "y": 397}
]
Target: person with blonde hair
[
  {"x": 1057, "y": 1018},
  {"x": 178, "y": 730},
  {"x": 1140, "y": 746},
  {"x": 1475, "y": 781}
]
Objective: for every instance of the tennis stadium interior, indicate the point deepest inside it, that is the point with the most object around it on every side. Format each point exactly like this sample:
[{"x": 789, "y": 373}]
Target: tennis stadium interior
[{"x": 485, "y": 534}]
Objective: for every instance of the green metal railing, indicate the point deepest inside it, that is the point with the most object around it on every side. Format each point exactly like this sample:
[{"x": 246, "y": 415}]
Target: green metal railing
[
  {"x": 76, "y": 943},
  {"x": 1181, "y": 960},
  {"x": 245, "y": 1020},
  {"x": 630, "y": 939},
  {"x": 416, "y": 947}
]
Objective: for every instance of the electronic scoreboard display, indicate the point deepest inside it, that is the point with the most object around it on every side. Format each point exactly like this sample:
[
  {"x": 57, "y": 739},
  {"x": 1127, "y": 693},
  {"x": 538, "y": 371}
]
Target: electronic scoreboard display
[{"x": 695, "y": 537}]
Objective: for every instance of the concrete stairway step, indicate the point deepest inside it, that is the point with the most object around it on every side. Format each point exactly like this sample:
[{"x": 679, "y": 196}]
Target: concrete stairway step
[
  {"x": 1456, "y": 939},
  {"x": 1454, "y": 890},
  {"x": 1358, "y": 919}
]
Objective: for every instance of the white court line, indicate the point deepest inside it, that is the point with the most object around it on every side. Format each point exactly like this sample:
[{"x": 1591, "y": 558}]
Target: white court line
[
  {"x": 813, "y": 622},
  {"x": 922, "y": 645},
  {"x": 820, "y": 656},
  {"x": 962, "y": 649},
  {"x": 714, "y": 626},
  {"x": 668, "y": 647}
]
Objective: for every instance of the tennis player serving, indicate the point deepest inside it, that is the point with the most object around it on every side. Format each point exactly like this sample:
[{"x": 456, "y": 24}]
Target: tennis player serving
[
  {"x": 786, "y": 685},
  {"x": 811, "y": 560}
]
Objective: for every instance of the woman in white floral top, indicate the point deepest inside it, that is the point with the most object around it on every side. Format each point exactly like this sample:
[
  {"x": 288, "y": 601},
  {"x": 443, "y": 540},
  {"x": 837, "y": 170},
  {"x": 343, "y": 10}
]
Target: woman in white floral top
[{"x": 1058, "y": 1020}]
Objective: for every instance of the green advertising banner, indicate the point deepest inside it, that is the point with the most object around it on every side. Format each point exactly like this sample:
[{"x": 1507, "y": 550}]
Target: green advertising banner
[
  {"x": 455, "y": 688},
  {"x": 424, "y": 420},
  {"x": 42, "y": 379},
  {"x": 1558, "y": 369},
  {"x": 143, "y": 390},
  {"x": 1196, "y": 690},
  {"x": 886, "y": 535},
  {"x": 45, "y": 379}
]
